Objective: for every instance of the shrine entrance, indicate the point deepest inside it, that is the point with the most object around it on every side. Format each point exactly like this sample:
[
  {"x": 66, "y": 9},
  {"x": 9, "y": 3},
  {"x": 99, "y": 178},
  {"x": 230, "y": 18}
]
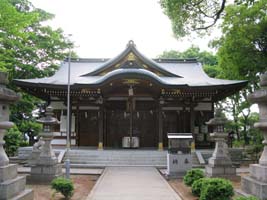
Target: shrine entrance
[{"x": 131, "y": 119}]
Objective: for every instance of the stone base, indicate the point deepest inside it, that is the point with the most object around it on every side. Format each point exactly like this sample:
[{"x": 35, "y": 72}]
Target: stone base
[
  {"x": 8, "y": 172},
  {"x": 258, "y": 172},
  {"x": 220, "y": 161},
  {"x": 241, "y": 193},
  {"x": 254, "y": 187},
  {"x": 221, "y": 171},
  {"x": 11, "y": 188},
  {"x": 25, "y": 195},
  {"x": 44, "y": 174},
  {"x": 175, "y": 175}
]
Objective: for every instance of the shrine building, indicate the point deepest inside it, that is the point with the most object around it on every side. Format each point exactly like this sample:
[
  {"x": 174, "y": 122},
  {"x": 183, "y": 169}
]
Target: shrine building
[{"x": 131, "y": 98}]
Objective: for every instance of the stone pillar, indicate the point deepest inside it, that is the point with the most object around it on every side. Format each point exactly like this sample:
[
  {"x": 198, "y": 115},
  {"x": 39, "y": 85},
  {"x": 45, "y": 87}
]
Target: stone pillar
[
  {"x": 47, "y": 167},
  {"x": 12, "y": 186},
  {"x": 256, "y": 182},
  {"x": 220, "y": 164}
]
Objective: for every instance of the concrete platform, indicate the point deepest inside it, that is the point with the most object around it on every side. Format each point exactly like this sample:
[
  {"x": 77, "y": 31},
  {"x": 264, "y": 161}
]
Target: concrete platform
[{"x": 132, "y": 183}]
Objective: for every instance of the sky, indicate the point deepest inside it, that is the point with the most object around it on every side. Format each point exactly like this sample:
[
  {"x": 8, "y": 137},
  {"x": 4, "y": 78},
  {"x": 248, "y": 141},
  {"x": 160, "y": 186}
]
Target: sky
[{"x": 102, "y": 28}]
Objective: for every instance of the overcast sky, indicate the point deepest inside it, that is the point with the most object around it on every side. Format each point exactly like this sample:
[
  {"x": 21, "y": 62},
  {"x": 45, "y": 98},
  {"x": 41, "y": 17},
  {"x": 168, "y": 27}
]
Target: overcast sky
[{"x": 102, "y": 28}]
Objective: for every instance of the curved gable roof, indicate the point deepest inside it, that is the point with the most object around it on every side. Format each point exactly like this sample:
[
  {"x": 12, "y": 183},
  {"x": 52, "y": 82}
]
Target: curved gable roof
[
  {"x": 169, "y": 73},
  {"x": 131, "y": 58}
]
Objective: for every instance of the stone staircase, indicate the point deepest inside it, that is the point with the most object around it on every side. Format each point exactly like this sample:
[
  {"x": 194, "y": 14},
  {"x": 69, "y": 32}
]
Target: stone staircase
[
  {"x": 103, "y": 158},
  {"x": 83, "y": 158},
  {"x": 195, "y": 161}
]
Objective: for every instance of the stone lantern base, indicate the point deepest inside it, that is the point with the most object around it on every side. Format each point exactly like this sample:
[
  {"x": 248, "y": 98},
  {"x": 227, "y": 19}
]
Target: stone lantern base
[
  {"x": 44, "y": 173},
  {"x": 222, "y": 171},
  {"x": 12, "y": 186},
  {"x": 256, "y": 182}
]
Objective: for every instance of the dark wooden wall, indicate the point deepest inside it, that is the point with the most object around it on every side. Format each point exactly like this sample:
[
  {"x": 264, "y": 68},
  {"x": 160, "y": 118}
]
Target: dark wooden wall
[{"x": 88, "y": 128}]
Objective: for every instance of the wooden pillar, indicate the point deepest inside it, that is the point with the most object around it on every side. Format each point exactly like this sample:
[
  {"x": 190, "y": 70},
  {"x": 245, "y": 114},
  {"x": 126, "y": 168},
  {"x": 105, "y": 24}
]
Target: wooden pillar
[
  {"x": 160, "y": 143},
  {"x": 192, "y": 125},
  {"x": 100, "y": 125},
  {"x": 70, "y": 121},
  {"x": 131, "y": 119},
  {"x": 77, "y": 125}
]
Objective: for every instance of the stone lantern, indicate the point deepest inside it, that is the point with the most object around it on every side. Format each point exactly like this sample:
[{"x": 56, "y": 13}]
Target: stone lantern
[
  {"x": 12, "y": 186},
  {"x": 220, "y": 164},
  {"x": 47, "y": 167},
  {"x": 256, "y": 183}
]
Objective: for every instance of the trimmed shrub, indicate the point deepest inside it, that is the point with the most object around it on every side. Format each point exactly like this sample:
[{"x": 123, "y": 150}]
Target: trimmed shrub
[
  {"x": 197, "y": 186},
  {"x": 64, "y": 186},
  {"x": 193, "y": 175},
  {"x": 216, "y": 189},
  {"x": 13, "y": 140},
  {"x": 247, "y": 198}
]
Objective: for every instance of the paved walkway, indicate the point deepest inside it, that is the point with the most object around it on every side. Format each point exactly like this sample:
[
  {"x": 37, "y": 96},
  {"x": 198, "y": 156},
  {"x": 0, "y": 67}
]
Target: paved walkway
[{"x": 132, "y": 183}]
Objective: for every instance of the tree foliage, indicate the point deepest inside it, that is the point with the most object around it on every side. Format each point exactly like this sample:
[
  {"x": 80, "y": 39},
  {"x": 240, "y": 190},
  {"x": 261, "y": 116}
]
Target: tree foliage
[
  {"x": 242, "y": 54},
  {"x": 192, "y": 15},
  {"x": 208, "y": 59},
  {"x": 198, "y": 16},
  {"x": 13, "y": 140},
  {"x": 243, "y": 46},
  {"x": 28, "y": 49}
]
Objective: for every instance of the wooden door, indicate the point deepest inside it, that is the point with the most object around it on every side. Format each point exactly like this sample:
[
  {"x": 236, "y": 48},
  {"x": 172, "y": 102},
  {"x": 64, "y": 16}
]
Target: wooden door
[
  {"x": 118, "y": 126},
  {"x": 145, "y": 127},
  {"x": 88, "y": 128}
]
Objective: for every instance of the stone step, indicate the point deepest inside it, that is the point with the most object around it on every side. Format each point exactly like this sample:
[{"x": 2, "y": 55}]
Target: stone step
[
  {"x": 122, "y": 160},
  {"x": 114, "y": 157},
  {"x": 8, "y": 172},
  {"x": 116, "y": 161},
  {"x": 12, "y": 187},
  {"x": 24, "y": 195},
  {"x": 111, "y": 165},
  {"x": 118, "y": 157}
]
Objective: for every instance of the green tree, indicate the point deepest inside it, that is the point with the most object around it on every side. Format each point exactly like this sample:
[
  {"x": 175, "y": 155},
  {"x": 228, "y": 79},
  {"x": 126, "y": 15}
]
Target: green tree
[
  {"x": 242, "y": 53},
  {"x": 13, "y": 140},
  {"x": 242, "y": 48},
  {"x": 189, "y": 16},
  {"x": 28, "y": 49},
  {"x": 208, "y": 59},
  {"x": 200, "y": 16}
]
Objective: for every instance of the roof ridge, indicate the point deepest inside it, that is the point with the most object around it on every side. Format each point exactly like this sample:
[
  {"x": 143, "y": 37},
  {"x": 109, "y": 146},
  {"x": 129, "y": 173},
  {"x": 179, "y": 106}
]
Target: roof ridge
[
  {"x": 176, "y": 60},
  {"x": 79, "y": 60},
  {"x": 158, "y": 60}
]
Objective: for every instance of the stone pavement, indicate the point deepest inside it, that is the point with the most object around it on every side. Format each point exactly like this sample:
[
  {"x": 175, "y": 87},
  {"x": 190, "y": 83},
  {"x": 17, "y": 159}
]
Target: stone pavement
[{"x": 132, "y": 183}]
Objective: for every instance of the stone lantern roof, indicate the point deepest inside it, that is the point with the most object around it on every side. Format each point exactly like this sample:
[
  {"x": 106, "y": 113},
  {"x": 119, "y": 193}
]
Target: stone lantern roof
[
  {"x": 219, "y": 119},
  {"x": 5, "y": 93},
  {"x": 48, "y": 119}
]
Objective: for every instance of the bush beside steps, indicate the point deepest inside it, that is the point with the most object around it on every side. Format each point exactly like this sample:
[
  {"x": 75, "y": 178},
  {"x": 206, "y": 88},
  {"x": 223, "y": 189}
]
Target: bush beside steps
[{"x": 63, "y": 186}]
